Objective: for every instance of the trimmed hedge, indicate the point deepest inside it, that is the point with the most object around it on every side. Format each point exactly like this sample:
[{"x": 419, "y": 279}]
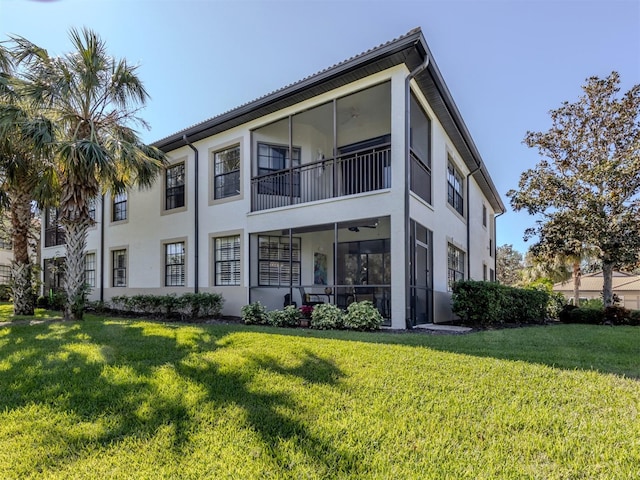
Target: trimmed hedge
[
  {"x": 588, "y": 316},
  {"x": 614, "y": 315},
  {"x": 186, "y": 306},
  {"x": 489, "y": 303}
]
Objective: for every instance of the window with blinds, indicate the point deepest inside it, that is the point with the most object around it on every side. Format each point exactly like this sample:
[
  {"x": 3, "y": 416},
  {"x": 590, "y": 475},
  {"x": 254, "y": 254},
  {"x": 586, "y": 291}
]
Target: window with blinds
[
  {"x": 278, "y": 262},
  {"x": 227, "y": 260}
]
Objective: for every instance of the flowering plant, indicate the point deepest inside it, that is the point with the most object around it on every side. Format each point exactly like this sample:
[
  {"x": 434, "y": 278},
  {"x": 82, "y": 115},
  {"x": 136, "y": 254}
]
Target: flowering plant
[{"x": 306, "y": 310}]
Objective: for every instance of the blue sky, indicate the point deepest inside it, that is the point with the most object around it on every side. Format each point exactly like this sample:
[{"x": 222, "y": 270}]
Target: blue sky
[{"x": 506, "y": 62}]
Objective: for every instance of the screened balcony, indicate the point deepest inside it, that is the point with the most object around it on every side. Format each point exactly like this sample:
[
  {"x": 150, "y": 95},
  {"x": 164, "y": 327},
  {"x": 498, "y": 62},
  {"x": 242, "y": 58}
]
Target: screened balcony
[{"x": 340, "y": 148}]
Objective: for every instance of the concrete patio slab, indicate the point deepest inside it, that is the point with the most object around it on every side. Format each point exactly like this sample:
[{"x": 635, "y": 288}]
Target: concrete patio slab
[{"x": 444, "y": 328}]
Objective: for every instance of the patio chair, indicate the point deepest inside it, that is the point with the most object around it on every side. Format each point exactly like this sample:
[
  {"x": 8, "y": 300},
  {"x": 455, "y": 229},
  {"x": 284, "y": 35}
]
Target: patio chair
[
  {"x": 310, "y": 299},
  {"x": 287, "y": 301}
]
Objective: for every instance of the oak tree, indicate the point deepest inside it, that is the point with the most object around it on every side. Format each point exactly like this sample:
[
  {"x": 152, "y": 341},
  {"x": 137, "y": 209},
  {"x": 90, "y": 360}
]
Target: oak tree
[{"x": 586, "y": 186}]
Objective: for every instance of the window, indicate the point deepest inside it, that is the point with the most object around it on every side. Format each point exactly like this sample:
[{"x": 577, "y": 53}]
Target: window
[
  {"x": 53, "y": 273},
  {"x": 226, "y": 167},
  {"x": 484, "y": 215},
  {"x": 174, "y": 187},
  {"x": 5, "y": 274},
  {"x": 5, "y": 241},
  {"x": 119, "y": 262},
  {"x": 484, "y": 272},
  {"x": 454, "y": 188},
  {"x": 120, "y": 207},
  {"x": 174, "y": 264},
  {"x": 90, "y": 269},
  {"x": 92, "y": 209},
  {"x": 278, "y": 262},
  {"x": 492, "y": 275},
  {"x": 227, "y": 260},
  {"x": 53, "y": 231},
  {"x": 420, "y": 143},
  {"x": 273, "y": 158},
  {"x": 455, "y": 265}
]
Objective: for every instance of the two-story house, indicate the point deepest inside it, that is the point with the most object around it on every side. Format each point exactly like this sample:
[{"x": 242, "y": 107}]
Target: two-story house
[
  {"x": 359, "y": 182},
  {"x": 6, "y": 257}
]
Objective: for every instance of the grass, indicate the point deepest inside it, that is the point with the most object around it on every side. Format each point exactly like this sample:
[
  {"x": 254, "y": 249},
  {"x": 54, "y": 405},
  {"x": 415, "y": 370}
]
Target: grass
[
  {"x": 132, "y": 399},
  {"x": 6, "y": 314}
]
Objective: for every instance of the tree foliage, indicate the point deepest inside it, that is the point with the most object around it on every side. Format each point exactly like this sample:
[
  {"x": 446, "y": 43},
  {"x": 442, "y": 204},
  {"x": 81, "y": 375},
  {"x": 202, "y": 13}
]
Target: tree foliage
[
  {"x": 25, "y": 176},
  {"x": 509, "y": 264},
  {"x": 586, "y": 186},
  {"x": 93, "y": 100}
]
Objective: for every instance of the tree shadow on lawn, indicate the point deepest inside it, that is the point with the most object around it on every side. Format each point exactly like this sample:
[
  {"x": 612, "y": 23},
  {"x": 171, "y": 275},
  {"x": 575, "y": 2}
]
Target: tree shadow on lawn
[
  {"x": 122, "y": 377},
  {"x": 586, "y": 347}
]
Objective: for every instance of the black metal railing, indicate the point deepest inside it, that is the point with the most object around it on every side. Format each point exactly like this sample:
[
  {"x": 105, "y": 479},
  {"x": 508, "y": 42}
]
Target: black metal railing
[{"x": 349, "y": 174}]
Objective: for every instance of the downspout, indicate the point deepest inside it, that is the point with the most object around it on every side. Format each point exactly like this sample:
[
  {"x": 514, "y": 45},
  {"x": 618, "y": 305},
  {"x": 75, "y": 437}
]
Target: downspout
[
  {"x": 196, "y": 229},
  {"x": 407, "y": 187},
  {"x": 495, "y": 245},
  {"x": 102, "y": 251},
  {"x": 472, "y": 172}
]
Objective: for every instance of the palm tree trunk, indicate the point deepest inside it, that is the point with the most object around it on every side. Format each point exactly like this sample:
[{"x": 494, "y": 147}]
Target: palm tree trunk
[
  {"x": 74, "y": 284},
  {"x": 607, "y": 286},
  {"x": 23, "y": 301},
  {"x": 576, "y": 283}
]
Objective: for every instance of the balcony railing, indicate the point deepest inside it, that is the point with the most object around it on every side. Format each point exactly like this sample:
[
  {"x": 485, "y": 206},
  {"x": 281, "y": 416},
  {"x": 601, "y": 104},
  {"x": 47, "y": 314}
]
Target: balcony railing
[{"x": 356, "y": 172}]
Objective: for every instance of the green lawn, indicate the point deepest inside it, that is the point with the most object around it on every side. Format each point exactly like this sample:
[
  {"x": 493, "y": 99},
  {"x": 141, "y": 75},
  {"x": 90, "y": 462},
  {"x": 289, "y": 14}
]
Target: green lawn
[{"x": 131, "y": 399}]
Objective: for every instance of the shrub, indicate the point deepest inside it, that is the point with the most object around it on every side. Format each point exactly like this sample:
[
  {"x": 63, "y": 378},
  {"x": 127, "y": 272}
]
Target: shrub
[
  {"x": 96, "y": 306},
  {"x": 478, "y": 302},
  {"x": 524, "y": 305},
  {"x": 595, "y": 303},
  {"x": 118, "y": 302},
  {"x": 5, "y": 293},
  {"x": 254, "y": 314},
  {"x": 202, "y": 304},
  {"x": 589, "y": 316},
  {"x": 57, "y": 300},
  {"x": 42, "y": 302},
  {"x": 556, "y": 303},
  {"x": 191, "y": 305},
  {"x": 288, "y": 317},
  {"x": 634, "y": 318},
  {"x": 565, "y": 313},
  {"x": 326, "y": 316},
  {"x": 489, "y": 303},
  {"x": 363, "y": 316},
  {"x": 617, "y": 315},
  {"x": 140, "y": 304}
]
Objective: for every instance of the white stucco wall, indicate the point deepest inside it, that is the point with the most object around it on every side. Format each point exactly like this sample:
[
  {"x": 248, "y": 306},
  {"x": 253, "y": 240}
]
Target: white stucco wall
[{"x": 148, "y": 225}]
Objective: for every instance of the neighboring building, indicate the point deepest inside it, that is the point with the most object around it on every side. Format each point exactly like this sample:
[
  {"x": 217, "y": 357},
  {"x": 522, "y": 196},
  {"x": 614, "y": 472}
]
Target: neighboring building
[
  {"x": 359, "y": 182},
  {"x": 626, "y": 287},
  {"x": 6, "y": 246},
  {"x": 6, "y": 257}
]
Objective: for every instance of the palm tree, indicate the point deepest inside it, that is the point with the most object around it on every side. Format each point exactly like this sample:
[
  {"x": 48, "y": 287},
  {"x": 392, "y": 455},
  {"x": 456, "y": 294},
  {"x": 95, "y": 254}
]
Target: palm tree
[
  {"x": 536, "y": 269},
  {"x": 24, "y": 177},
  {"x": 93, "y": 99},
  {"x": 562, "y": 243}
]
